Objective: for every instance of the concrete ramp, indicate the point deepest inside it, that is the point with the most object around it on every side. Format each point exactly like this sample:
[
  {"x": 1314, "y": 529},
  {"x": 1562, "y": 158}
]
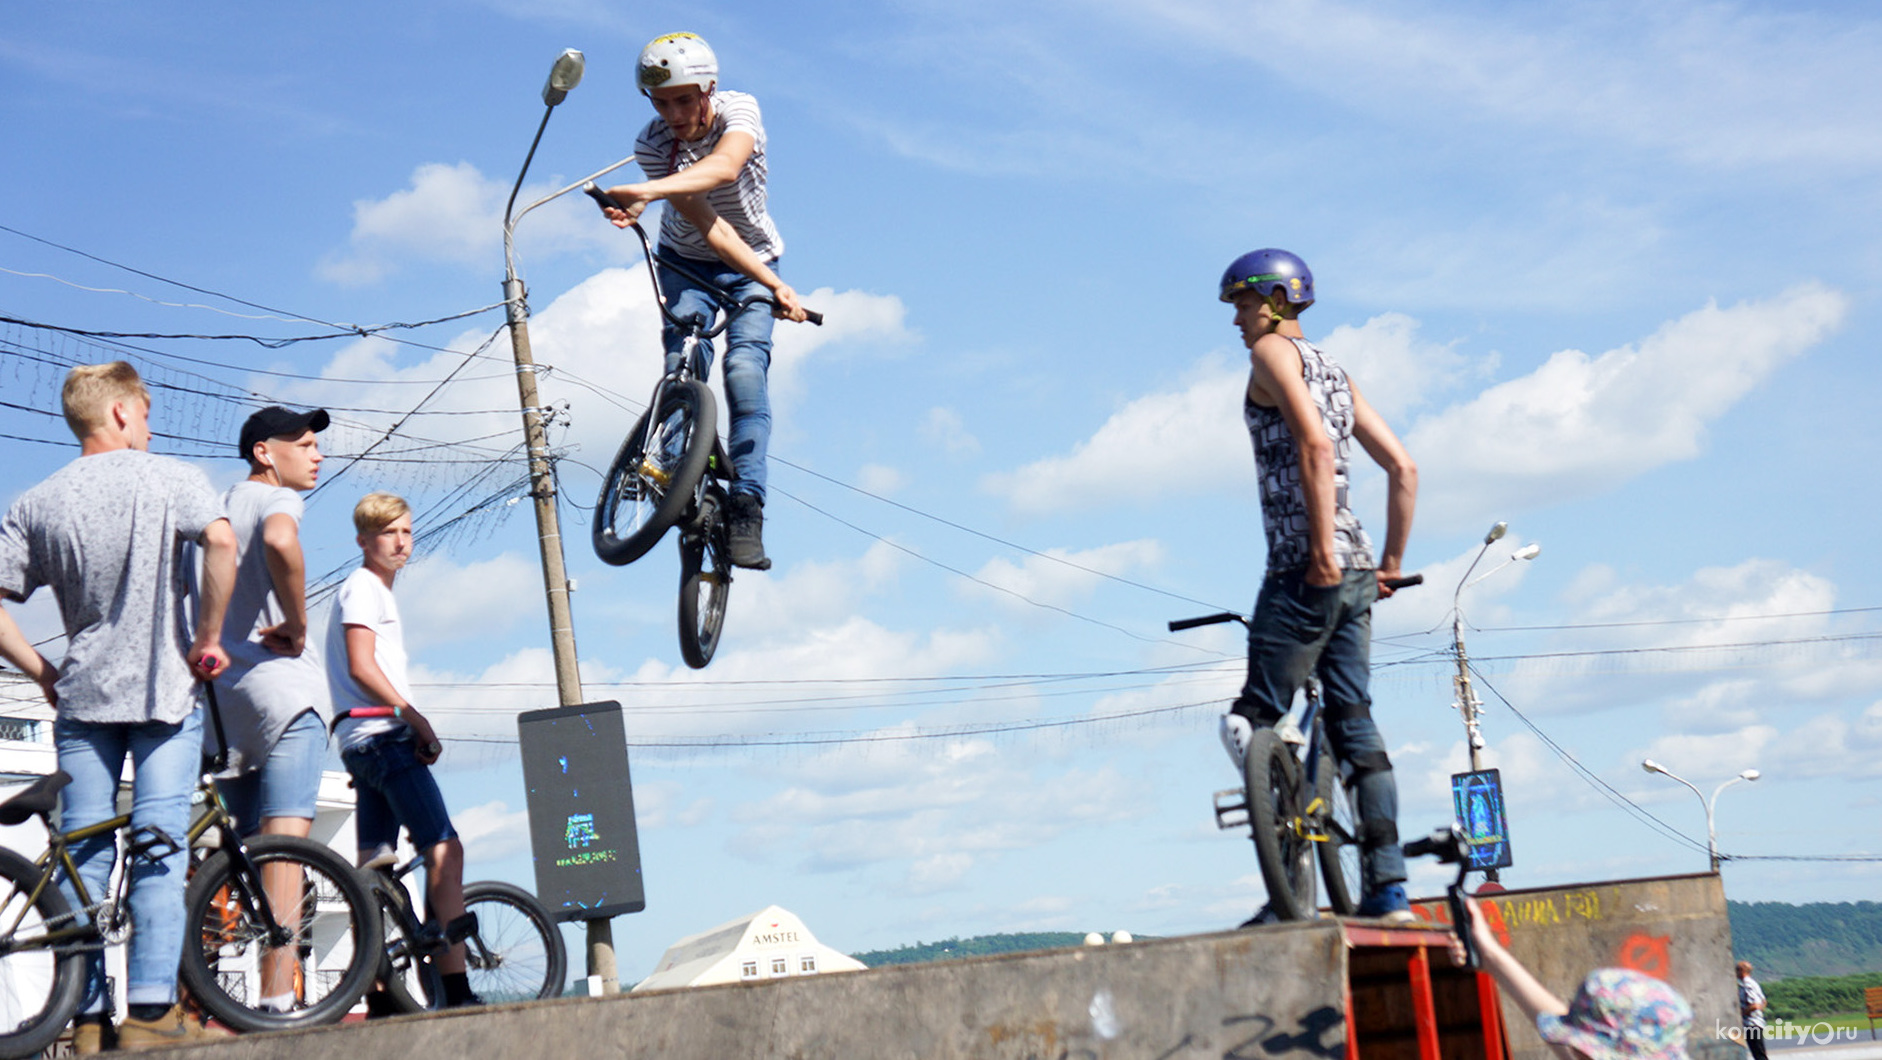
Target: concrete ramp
[
  {"x": 1673, "y": 928},
  {"x": 1279, "y": 993}
]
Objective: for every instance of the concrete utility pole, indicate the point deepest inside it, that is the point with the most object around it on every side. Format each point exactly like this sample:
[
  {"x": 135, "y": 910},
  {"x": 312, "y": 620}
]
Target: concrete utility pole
[
  {"x": 1467, "y": 703},
  {"x": 565, "y": 75}
]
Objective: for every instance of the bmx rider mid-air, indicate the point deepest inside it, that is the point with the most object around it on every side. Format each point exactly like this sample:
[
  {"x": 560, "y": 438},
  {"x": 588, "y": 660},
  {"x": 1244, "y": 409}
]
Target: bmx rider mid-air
[{"x": 705, "y": 155}]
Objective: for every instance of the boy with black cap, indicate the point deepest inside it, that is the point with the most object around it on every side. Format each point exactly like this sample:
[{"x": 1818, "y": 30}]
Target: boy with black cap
[{"x": 274, "y": 697}]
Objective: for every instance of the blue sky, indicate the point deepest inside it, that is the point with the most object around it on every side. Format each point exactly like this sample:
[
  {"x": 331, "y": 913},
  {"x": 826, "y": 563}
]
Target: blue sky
[{"x": 1610, "y": 272}]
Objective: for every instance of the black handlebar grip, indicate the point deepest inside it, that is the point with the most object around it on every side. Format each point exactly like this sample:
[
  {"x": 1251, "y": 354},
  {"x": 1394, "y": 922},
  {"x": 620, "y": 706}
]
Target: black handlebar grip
[
  {"x": 1406, "y": 582},
  {"x": 813, "y": 316},
  {"x": 602, "y": 198},
  {"x": 1207, "y": 620}
]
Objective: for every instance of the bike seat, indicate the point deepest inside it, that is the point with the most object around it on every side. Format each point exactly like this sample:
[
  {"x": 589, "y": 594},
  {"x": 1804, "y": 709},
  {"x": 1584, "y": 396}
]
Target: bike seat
[{"x": 40, "y": 797}]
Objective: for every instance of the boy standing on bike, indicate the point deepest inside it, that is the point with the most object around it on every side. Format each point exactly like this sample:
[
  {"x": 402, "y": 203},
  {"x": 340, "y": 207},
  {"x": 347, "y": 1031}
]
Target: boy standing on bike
[
  {"x": 705, "y": 155},
  {"x": 107, "y": 533},
  {"x": 1314, "y": 611},
  {"x": 385, "y": 743}
]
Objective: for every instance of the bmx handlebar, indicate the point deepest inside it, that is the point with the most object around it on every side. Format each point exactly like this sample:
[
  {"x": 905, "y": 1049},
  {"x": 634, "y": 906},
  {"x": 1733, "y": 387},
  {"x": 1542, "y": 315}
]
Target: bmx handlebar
[
  {"x": 1229, "y": 616},
  {"x": 719, "y": 294}
]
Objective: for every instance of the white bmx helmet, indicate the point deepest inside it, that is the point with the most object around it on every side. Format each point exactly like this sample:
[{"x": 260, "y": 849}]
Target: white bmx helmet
[{"x": 677, "y": 59}]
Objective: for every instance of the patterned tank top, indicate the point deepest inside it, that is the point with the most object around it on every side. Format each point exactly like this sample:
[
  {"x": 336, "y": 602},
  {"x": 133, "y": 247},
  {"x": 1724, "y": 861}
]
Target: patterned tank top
[{"x": 1277, "y": 461}]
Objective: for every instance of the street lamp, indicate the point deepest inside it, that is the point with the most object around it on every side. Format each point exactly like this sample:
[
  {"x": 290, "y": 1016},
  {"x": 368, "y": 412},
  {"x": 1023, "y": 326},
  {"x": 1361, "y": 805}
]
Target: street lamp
[
  {"x": 1467, "y": 702},
  {"x": 1712, "y": 833},
  {"x": 563, "y": 76}
]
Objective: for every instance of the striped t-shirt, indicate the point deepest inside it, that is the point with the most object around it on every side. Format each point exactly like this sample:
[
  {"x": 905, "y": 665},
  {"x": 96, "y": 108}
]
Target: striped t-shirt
[{"x": 741, "y": 203}]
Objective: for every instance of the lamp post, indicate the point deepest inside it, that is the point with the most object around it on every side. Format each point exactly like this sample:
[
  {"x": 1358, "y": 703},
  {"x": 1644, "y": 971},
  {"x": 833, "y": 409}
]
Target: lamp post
[
  {"x": 1467, "y": 702},
  {"x": 1712, "y": 832},
  {"x": 563, "y": 76}
]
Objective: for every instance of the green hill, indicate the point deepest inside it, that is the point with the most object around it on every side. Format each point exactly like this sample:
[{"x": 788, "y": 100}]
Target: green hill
[
  {"x": 1816, "y": 939},
  {"x": 978, "y": 946}
]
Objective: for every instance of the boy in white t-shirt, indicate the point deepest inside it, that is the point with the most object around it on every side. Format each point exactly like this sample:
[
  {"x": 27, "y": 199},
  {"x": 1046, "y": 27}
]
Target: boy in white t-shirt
[{"x": 385, "y": 742}]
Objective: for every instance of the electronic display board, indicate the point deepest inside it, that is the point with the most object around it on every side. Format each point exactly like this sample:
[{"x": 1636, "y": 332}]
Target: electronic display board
[
  {"x": 581, "y": 811},
  {"x": 1478, "y": 800}
]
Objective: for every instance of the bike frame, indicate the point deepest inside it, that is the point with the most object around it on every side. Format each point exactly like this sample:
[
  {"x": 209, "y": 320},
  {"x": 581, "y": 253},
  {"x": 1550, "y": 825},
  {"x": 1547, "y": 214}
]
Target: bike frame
[{"x": 58, "y": 858}]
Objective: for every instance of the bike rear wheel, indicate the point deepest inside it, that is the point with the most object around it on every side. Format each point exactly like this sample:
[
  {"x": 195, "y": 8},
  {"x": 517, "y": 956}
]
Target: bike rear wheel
[
  {"x": 516, "y": 953},
  {"x": 1272, "y": 777},
  {"x": 705, "y": 581},
  {"x": 1339, "y": 854},
  {"x": 333, "y": 952},
  {"x": 40, "y": 985},
  {"x": 656, "y": 473}
]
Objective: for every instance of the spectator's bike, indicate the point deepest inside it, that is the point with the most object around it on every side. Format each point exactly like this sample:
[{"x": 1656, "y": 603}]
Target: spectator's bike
[
  {"x": 512, "y": 948},
  {"x": 673, "y": 470},
  {"x": 1293, "y": 803},
  {"x": 234, "y": 934}
]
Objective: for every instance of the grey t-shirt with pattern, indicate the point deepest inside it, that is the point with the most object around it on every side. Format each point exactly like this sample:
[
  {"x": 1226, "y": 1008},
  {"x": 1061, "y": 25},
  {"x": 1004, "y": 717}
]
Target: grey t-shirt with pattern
[
  {"x": 1277, "y": 460},
  {"x": 108, "y": 533}
]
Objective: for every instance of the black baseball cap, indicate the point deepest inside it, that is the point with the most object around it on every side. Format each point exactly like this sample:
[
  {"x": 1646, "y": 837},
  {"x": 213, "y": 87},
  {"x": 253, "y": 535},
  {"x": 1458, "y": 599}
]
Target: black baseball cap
[{"x": 275, "y": 422}]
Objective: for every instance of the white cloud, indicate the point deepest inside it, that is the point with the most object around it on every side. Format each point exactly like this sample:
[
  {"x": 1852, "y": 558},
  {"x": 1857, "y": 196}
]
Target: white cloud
[
  {"x": 443, "y": 601},
  {"x": 1158, "y": 445},
  {"x": 1392, "y": 367},
  {"x": 944, "y": 427},
  {"x": 880, "y": 479},
  {"x": 454, "y": 214},
  {"x": 941, "y": 812},
  {"x": 493, "y": 830},
  {"x": 1580, "y": 425},
  {"x": 1061, "y": 577},
  {"x": 1600, "y": 72}
]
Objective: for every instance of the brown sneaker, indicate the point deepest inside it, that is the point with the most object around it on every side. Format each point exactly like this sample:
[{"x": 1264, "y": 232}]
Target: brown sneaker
[
  {"x": 173, "y": 1027},
  {"x": 93, "y": 1037}
]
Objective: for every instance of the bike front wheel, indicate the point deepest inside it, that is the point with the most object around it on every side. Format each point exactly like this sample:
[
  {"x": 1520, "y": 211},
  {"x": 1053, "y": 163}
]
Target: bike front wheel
[
  {"x": 327, "y": 960},
  {"x": 40, "y": 983},
  {"x": 516, "y": 953},
  {"x": 1339, "y": 853},
  {"x": 656, "y": 472},
  {"x": 1275, "y": 817},
  {"x": 705, "y": 581}
]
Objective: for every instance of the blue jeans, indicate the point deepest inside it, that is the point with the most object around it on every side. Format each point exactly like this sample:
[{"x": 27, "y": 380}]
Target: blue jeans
[
  {"x": 166, "y": 758},
  {"x": 747, "y": 359},
  {"x": 395, "y": 788},
  {"x": 1300, "y": 629},
  {"x": 287, "y": 784}
]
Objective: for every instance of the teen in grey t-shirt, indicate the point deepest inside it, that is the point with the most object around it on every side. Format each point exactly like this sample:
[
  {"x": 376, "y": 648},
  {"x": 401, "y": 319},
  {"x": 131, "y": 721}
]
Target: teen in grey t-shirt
[{"x": 107, "y": 533}]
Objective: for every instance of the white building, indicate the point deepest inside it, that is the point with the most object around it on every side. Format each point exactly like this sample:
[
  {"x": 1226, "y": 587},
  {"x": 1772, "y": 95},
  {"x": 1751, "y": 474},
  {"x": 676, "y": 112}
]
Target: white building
[{"x": 769, "y": 944}]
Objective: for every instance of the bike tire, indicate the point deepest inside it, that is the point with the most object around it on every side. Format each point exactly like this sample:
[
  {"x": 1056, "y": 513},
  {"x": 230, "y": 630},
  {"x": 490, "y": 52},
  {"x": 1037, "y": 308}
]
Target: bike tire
[
  {"x": 40, "y": 985},
  {"x": 1339, "y": 854},
  {"x": 705, "y": 581},
  {"x": 337, "y": 939},
  {"x": 406, "y": 975},
  {"x": 516, "y": 953},
  {"x": 1274, "y": 817},
  {"x": 634, "y": 510}
]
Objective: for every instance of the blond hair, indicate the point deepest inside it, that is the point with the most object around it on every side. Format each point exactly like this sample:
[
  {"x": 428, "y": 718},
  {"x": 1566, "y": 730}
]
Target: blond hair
[
  {"x": 376, "y": 511},
  {"x": 91, "y": 390}
]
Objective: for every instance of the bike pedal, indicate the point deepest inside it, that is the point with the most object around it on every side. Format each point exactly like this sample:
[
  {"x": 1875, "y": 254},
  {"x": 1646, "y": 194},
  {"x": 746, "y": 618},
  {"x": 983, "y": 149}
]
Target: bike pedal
[
  {"x": 1231, "y": 809},
  {"x": 460, "y": 929},
  {"x": 151, "y": 842}
]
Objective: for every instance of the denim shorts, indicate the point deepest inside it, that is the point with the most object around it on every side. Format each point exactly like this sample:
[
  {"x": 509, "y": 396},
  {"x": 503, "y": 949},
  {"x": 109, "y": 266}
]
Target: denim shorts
[
  {"x": 395, "y": 788},
  {"x": 288, "y": 783}
]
